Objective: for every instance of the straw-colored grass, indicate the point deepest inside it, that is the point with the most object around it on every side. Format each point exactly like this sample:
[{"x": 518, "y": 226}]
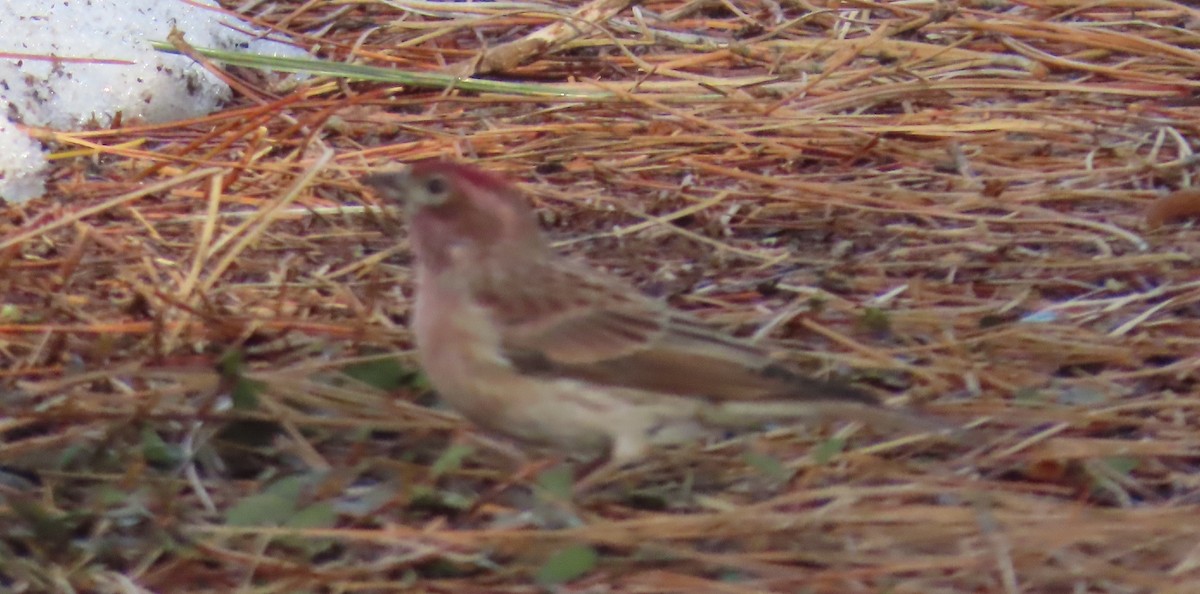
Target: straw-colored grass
[{"x": 946, "y": 202}]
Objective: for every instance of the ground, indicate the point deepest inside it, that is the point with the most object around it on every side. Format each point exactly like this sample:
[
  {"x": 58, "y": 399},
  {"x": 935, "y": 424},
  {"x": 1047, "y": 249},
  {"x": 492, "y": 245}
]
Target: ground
[{"x": 976, "y": 209}]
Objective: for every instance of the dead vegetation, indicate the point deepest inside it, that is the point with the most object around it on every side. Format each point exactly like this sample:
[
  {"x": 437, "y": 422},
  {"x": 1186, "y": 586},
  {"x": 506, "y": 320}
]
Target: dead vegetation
[{"x": 945, "y": 201}]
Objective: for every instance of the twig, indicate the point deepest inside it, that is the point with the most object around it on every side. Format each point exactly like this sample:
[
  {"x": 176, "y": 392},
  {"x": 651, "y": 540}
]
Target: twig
[{"x": 509, "y": 55}]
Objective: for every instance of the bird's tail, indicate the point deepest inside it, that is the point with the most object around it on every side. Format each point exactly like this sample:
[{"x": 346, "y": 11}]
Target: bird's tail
[{"x": 744, "y": 414}]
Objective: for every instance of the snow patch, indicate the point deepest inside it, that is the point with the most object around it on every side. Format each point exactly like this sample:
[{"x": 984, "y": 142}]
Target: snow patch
[{"x": 134, "y": 80}]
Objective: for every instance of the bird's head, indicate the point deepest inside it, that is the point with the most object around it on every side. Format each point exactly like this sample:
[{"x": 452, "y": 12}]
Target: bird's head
[{"x": 458, "y": 211}]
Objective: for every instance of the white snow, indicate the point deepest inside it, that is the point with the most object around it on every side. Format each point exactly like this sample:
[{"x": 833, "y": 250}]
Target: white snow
[
  {"x": 152, "y": 87},
  {"x": 21, "y": 163}
]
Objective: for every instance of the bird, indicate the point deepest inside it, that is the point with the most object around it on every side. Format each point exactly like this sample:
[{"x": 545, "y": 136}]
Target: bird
[{"x": 551, "y": 352}]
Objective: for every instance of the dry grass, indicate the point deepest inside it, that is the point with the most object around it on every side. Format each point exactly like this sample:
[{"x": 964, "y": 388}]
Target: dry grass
[{"x": 945, "y": 200}]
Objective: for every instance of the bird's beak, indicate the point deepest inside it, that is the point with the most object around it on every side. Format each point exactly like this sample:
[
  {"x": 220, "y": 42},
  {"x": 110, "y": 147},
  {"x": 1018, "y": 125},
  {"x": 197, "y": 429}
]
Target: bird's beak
[{"x": 391, "y": 185}]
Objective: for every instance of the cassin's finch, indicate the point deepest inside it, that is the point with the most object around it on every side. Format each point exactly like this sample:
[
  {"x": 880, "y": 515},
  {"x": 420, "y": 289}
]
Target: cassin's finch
[{"x": 545, "y": 350}]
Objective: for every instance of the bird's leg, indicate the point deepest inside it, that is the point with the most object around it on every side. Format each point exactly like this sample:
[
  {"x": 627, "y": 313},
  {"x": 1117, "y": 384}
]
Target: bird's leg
[
  {"x": 626, "y": 445},
  {"x": 525, "y": 468},
  {"x": 592, "y": 474}
]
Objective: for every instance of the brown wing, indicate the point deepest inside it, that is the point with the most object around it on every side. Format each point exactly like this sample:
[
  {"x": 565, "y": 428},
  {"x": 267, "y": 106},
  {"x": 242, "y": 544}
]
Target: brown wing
[{"x": 600, "y": 331}]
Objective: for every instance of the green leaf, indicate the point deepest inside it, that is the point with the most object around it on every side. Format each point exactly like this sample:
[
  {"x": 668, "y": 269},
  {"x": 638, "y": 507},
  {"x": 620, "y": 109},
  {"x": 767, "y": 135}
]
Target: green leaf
[
  {"x": 412, "y": 78},
  {"x": 732, "y": 576},
  {"x": 420, "y": 382},
  {"x": 70, "y": 455},
  {"x": 289, "y": 488},
  {"x": 876, "y": 320},
  {"x": 273, "y": 507},
  {"x": 423, "y": 497},
  {"x": 53, "y": 527},
  {"x": 456, "y": 501},
  {"x": 110, "y": 496},
  {"x": 368, "y": 503},
  {"x": 1029, "y": 396},
  {"x": 568, "y": 564},
  {"x": 768, "y": 465},
  {"x": 1080, "y": 396},
  {"x": 10, "y": 312},
  {"x": 263, "y": 509},
  {"x": 245, "y": 393},
  {"x": 385, "y": 374},
  {"x": 317, "y": 515},
  {"x": 828, "y": 449},
  {"x": 817, "y": 302},
  {"x": 557, "y": 482},
  {"x": 451, "y": 460},
  {"x": 232, "y": 363},
  {"x": 158, "y": 452},
  {"x": 1122, "y": 465}
]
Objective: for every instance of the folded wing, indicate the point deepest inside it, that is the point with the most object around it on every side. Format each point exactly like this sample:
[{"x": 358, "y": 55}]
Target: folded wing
[{"x": 596, "y": 330}]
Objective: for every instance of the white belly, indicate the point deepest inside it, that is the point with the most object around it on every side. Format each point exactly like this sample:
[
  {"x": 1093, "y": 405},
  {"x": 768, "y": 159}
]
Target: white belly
[{"x": 459, "y": 350}]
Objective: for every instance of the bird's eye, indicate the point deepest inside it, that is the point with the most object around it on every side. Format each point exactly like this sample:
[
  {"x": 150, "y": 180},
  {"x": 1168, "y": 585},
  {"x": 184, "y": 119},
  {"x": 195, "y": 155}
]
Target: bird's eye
[{"x": 436, "y": 186}]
